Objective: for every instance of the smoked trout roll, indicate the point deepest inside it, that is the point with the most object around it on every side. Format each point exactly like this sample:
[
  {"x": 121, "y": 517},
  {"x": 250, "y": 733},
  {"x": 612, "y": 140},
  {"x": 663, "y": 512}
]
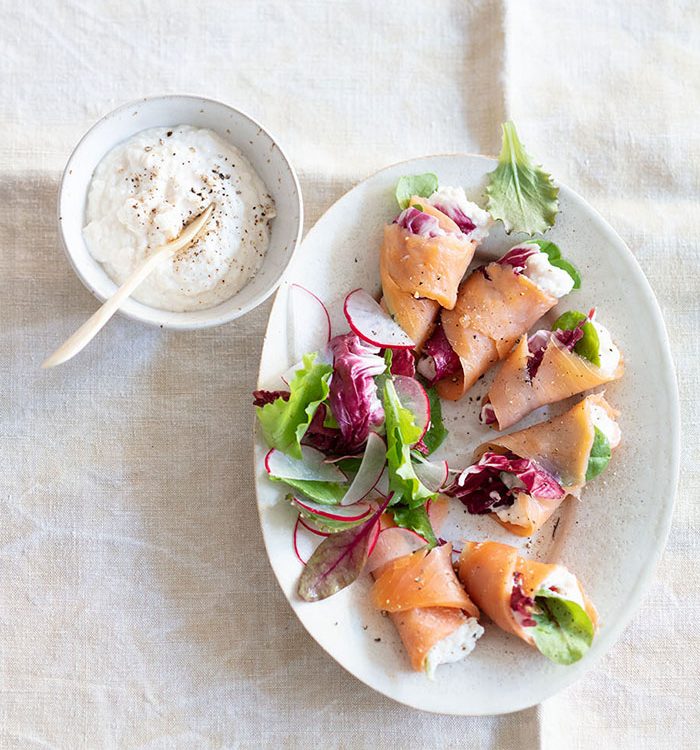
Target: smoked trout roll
[
  {"x": 522, "y": 478},
  {"x": 425, "y": 254},
  {"x": 543, "y": 604},
  {"x": 436, "y": 620},
  {"x": 576, "y": 355},
  {"x": 495, "y": 305}
]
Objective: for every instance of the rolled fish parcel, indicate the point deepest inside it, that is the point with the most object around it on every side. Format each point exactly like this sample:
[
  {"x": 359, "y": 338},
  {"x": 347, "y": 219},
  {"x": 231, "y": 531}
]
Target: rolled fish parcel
[
  {"x": 425, "y": 254},
  {"x": 433, "y": 615},
  {"x": 543, "y": 604},
  {"x": 496, "y": 305},
  {"x": 522, "y": 478},
  {"x": 576, "y": 355}
]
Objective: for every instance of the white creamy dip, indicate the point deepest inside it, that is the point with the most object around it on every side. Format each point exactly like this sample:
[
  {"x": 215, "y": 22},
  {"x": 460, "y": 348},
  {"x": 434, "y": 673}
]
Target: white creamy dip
[
  {"x": 609, "y": 353},
  {"x": 146, "y": 189}
]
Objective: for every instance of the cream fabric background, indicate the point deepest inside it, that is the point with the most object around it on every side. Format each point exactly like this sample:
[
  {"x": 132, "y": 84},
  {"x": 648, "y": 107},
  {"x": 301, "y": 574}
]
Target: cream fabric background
[{"x": 137, "y": 609}]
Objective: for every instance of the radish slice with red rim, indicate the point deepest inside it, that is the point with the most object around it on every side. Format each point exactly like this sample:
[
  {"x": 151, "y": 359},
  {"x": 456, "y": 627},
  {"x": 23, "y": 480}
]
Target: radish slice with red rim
[
  {"x": 413, "y": 397},
  {"x": 382, "y": 485},
  {"x": 311, "y": 468},
  {"x": 433, "y": 474},
  {"x": 372, "y": 323},
  {"x": 308, "y": 525},
  {"x": 295, "y": 541},
  {"x": 393, "y": 543},
  {"x": 334, "y": 512},
  {"x": 309, "y": 321},
  {"x": 373, "y": 462}
]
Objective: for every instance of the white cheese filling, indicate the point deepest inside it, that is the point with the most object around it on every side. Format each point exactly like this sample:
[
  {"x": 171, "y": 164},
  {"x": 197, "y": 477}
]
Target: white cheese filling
[
  {"x": 456, "y": 196},
  {"x": 564, "y": 584},
  {"x": 549, "y": 278},
  {"x": 455, "y": 647},
  {"x": 608, "y": 352},
  {"x": 608, "y": 426}
]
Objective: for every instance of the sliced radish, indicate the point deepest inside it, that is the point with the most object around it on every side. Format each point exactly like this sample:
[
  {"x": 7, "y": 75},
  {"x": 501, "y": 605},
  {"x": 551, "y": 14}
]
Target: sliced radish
[
  {"x": 412, "y": 396},
  {"x": 295, "y": 541},
  {"x": 382, "y": 485},
  {"x": 375, "y": 537},
  {"x": 437, "y": 509},
  {"x": 334, "y": 512},
  {"x": 433, "y": 474},
  {"x": 311, "y": 468},
  {"x": 392, "y": 543},
  {"x": 308, "y": 525},
  {"x": 309, "y": 321},
  {"x": 372, "y": 323},
  {"x": 370, "y": 470}
]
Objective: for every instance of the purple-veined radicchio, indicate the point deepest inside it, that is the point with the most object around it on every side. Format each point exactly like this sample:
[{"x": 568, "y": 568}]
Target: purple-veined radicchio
[
  {"x": 261, "y": 398},
  {"x": 439, "y": 359},
  {"x": 517, "y": 257},
  {"x": 353, "y": 396},
  {"x": 521, "y": 603},
  {"x": 537, "y": 344},
  {"x": 487, "y": 415},
  {"x": 403, "y": 362},
  {"x": 453, "y": 211},
  {"x": 420, "y": 223},
  {"x": 497, "y": 479}
]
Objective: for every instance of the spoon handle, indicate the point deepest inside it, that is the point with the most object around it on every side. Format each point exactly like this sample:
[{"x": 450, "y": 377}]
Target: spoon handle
[{"x": 94, "y": 324}]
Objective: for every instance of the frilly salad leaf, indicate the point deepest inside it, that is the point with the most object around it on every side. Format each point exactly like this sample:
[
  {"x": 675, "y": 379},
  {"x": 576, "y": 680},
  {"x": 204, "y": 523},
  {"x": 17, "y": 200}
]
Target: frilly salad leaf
[
  {"x": 437, "y": 432},
  {"x": 564, "y": 631},
  {"x": 401, "y": 433},
  {"x": 589, "y": 346},
  {"x": 423, "y": 185},
  {"x": 338, "y": 560},
  {"x": 285, "y": 422},
  {"x": 553, "y": 252},
  {"x": 599, "y": 457},
  {"x": 416, "y": 519},
  {"x": 520, "y": 193}
]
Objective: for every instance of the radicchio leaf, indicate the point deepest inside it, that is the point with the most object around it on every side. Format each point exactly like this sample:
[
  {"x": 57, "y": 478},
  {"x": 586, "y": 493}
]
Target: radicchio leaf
[
  {"x": 517, "y": 257},
  {"x": 454, "y": 212},
  {"x": 521, "y": 603},
  {"x": 260, "y": 398},
  {"x": 439, "y": 358},
  {"x": 353, "y": 397},
  {"x": 481, "y": 487},
  {"x": 403, "y": 362},
  {"x": 420, "y": 223},
  {"x": 339, "y": 559}
]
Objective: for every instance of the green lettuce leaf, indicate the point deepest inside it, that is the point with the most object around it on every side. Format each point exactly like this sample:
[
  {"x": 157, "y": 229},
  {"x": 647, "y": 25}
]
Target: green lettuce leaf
[
  {"x": 520, "y": 193},
  {"x": 325, "y": 493},
  {"x": 437, "y": 432},
  {"x": 589, "y": 346},
  {"x": 285, "y": 422},
  {"x": 554, "y": 254},
  {"x": 416, "y": 519},
  {"x": 599, "y": 457},
  {"x": 564, "y": 632},
  {"x": 401, "y": 433},
  {"x": 423, "y": 185}
]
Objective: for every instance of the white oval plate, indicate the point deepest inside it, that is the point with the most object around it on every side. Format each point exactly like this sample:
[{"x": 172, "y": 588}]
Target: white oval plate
[{"x": 611, "y": 539}]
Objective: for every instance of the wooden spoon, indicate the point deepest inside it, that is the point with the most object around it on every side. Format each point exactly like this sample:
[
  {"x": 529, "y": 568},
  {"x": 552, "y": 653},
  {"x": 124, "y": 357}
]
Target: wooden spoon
[{"x": 94, "y": 324}]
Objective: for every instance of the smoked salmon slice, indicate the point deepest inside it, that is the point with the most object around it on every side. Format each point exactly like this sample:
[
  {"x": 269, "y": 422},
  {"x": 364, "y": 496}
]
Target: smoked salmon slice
[
  {"x": 560, "y": 374},
  {"x": 495, "y": 306},
  {"x": 522, "y": 478},
  {"x": 505, "y": 585}
]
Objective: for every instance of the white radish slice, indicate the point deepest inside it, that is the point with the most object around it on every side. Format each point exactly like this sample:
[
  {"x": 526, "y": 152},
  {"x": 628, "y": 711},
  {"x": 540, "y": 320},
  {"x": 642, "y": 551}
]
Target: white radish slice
[
  {"x": 382, "y": 485},
  {"x": 394, "y": 542},
  {"x": 324, "y": 356},
  {"x": 433, "y": 474},
  {"x": 309, "y": 526},
  {"x": 412, "y": 396},
  {"x": 372, "y": 323},
  {"x": 309, "y": 322},
  {"x": 334, "y": 512},
  {"x": 311, "y": 468},
  {"x": 370, "y": 470}
]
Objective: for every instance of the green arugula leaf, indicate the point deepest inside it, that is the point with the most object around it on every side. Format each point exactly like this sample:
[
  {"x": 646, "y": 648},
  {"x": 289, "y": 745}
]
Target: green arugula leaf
[
  {"x": 325, "y": 493},
  {"x": 423, "y": 185},
  {"x": 599, "y": 457},
  {"x": 401, "y": 433},
  {"x": 416, "y": 519},
  {"x": 554, "y": 254},
  {"x": 520, "y": 193},
  {"x": 589, "y": 346},
  {"x": 437, "y": 432},
  {"x": 564, "y": 631},
  {"x": 285, "y": 422}
]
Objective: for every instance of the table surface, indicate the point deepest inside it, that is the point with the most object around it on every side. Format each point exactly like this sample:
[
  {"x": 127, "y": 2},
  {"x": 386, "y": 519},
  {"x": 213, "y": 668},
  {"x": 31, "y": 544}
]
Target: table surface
[{"x": 137, "y": 608}]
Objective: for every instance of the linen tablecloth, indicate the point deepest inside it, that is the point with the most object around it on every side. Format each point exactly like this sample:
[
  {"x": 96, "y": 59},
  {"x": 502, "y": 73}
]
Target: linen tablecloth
[{"x": 137, "y": 607}]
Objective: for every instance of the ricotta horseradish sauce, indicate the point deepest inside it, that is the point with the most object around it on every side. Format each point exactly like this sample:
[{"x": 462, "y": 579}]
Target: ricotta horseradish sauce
[{"x": 146, "y": 189}]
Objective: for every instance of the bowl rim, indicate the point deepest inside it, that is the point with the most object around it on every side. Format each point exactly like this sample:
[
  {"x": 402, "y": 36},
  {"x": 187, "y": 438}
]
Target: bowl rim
[{"x": 184, "y": 323}]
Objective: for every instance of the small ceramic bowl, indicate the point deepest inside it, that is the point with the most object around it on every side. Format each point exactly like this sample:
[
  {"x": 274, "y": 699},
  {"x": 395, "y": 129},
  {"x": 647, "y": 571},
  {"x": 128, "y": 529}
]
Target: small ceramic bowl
[{"x": 252, "y": 139}]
